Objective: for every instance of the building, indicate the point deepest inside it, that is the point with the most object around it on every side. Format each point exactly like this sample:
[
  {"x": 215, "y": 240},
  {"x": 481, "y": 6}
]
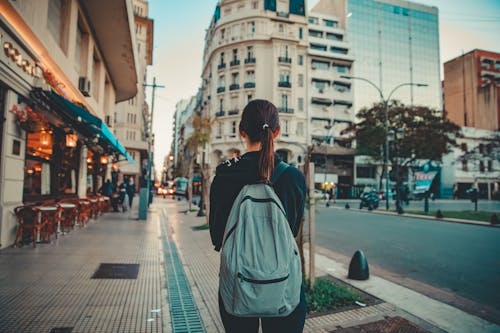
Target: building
[
  {"x": 329, "y": 100},
  {"x": 392, "y": 42},
  {"x": 472, "y": 90},
  {"x": 131, "y": 117},
  {"x": 256, "y": 49},
  {"x": 61, "y": 72}
]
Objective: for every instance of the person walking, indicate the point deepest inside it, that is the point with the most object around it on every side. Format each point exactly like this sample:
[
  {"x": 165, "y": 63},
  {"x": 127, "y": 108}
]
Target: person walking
[
  {"x": 259, "y": 126},
  {"x": 130, "y": 191},
  {"x": 123, "y": 196}
]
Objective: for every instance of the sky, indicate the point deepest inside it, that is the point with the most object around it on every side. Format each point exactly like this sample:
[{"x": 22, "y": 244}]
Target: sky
[{"x": 179, "y": 32}]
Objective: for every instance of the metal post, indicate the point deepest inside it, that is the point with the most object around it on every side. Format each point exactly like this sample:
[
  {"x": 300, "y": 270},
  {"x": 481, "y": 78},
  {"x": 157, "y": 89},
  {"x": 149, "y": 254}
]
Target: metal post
[
  {"x": 144, "y": 198},
  {"x": 312, "y": 225},
  {"x": 386, "y": 111}
]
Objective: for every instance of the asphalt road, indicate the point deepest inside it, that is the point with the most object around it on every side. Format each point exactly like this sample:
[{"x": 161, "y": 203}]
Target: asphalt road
[{"x": 462, "y": 259}]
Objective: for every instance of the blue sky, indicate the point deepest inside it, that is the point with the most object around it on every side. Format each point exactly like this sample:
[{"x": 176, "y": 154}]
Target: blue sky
[{"x": 179, "y": 38}]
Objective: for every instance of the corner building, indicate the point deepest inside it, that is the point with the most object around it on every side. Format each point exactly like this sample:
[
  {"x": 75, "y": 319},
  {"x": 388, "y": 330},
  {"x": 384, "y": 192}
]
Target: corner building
[{"x": 256, "y": 50}]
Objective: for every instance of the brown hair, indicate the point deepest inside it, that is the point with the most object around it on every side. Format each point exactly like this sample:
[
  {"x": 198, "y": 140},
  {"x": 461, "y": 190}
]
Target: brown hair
[{"x": 259, "y": 121}]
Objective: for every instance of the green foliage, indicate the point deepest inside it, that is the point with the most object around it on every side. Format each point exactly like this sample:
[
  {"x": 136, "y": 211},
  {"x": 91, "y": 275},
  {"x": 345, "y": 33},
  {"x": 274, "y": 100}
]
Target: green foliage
[
  {"x": 421, "y": 132},
  {"x": 327, "y": 295}
]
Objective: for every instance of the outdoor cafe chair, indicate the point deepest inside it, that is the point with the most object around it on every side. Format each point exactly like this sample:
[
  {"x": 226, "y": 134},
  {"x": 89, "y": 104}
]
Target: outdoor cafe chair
[
  {"x": 28, "y": 223},
  {"x": 50, "y": 215},
  {"x": 84, "y": 211},
  {"x": 69, "y": 214}
]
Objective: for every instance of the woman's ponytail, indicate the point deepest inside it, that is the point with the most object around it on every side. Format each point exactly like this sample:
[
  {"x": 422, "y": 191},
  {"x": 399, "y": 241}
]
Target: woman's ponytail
[{"x": 266, "y": 155}]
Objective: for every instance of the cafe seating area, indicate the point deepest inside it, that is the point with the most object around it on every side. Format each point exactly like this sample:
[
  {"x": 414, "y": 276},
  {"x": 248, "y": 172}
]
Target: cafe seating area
[{"x": 40, "y": 221}]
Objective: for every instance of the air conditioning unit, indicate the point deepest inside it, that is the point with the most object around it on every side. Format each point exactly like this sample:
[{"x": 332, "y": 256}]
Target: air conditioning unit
[{"x": 84, "y": 85}]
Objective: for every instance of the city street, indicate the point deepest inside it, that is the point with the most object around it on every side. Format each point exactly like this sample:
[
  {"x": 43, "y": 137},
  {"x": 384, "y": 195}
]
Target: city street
[{"x": 460, "y": 259}]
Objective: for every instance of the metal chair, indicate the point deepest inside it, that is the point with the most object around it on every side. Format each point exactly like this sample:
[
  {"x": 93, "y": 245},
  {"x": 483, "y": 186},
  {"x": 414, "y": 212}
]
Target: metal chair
[{"x": 28, "y": 220}]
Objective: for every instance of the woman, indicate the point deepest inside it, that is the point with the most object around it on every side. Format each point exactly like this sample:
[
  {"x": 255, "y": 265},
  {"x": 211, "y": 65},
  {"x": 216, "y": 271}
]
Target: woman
[{"x": 259, "y": 127}]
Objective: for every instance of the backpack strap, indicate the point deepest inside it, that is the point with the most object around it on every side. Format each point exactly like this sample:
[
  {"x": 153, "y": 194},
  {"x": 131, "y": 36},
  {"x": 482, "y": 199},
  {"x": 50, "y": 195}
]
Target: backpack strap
[{"x": 278, "y": 171}]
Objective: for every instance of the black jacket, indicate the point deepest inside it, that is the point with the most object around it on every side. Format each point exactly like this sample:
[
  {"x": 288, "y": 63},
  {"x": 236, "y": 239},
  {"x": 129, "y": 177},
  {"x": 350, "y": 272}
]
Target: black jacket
[{"x": 230, "y": 178}]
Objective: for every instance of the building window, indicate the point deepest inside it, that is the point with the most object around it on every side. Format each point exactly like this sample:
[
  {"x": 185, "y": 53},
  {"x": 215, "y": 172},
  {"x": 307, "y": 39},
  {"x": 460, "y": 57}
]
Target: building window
[
  {"x": 323, "y": 65},
  {"x": 255, "y": 5},
  {"x": 313, "y": 20},
  {"x": 79, "y": 48},
  {"x": 490, "y": 165},
  {"x": 481, "y": 166},
  {"x": 219, "y": 129},
  {"x": 233, "y": 128},
  {"x": 222, "y": 58},
  {"x": 300, "y": 103},
  {"x": 300, "y": 129},
  {"x": 463, "y": 146},
  {"x": 249, "y": 52},
  {"x": 222, "y": 81},
  {"x": 464, "y": 165},
  {"x": 280, "y": 27},
  {"x": 235, "y": 78},
  {"x": 330, "y": 23},
  {"x": 315, "y": 33},
  {"x": 365, "y": 172},
  {"x": 301, "y": 33},
  {"x": 235, "y": 54},
  {"x": 339, "y": 50},
  {"x": 284, "y": 101},
  {"x": 331, "y": 36},
  {"x": 317, "y": 47},
  {"x": 341, "y": 69},
  {"x": 284, "y": 76},
  {"x": 252, "y": 27},
  {"x": 300, "y": 60},
  {"x": 56, "y": 21},
  {"x": 300, "y": 80},
  {"x": 250, "y": 77},
  {"x": 96, "y": 75},
  {"x": 249, "y": 98},
  {"x": 285, "y": 127},
  {"x": 221, "y": 105}
]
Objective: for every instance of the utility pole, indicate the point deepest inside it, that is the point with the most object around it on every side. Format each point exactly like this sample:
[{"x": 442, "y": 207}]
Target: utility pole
[{"x": 144, "y": 197}]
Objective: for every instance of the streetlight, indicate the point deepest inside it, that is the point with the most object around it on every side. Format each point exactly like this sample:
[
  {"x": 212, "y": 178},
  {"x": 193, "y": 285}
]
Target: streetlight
[{"x": 386, "y": 111}]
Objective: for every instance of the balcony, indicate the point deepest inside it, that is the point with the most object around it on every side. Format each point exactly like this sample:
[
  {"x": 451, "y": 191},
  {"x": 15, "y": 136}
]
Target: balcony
[
  {"x": 285, "y": 60},
  {"x": 234, "y": 86},
  {"x": 249, "y": 85},
  {"x": 342, "y": 102},
  {"x": 220, "y": 114},
  {"x": 234, "y": 63},
  {"x": 221, "y": 90},
  {"x": 284, "y": 84},
  {"x": 221, "y": 66},
  {"x": 285, "y": 110},
  {"x": 250, "y": 61},
  {"x": 233, "y": 112}
]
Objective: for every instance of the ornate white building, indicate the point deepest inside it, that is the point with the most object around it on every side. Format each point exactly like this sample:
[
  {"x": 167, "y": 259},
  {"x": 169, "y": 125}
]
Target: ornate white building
[{"x": 256, "y": 50}]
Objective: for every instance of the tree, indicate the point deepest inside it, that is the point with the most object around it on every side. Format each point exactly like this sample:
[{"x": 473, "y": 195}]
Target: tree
[
  {"x": 416, "y": 133},
  {"x": 202, "y": 126}
]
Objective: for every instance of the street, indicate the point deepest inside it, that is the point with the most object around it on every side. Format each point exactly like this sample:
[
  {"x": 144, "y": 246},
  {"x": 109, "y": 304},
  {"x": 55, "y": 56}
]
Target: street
[{"x": 461, "y": 259}]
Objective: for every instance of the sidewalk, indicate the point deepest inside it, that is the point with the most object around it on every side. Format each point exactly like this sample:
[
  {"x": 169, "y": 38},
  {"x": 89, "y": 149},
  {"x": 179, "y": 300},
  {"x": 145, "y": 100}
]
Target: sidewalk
[
  {"x": 202, "y": 264},
  {"x": 51, "y": 289},
  {"x": 169, "y": 283}
]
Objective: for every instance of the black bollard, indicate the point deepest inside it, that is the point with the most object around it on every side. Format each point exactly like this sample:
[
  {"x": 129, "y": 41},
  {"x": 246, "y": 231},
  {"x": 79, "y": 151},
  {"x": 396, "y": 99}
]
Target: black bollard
[
  {"x": 358, "y": 268},
  {"x": 439, "y": 214},
  {"x": 494, "y": 219},
  {"x": 347, "y": 206}
]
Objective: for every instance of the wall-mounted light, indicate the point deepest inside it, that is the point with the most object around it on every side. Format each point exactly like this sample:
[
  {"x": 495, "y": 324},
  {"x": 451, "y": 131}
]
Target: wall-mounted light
[
  {"x": 45, "y": 138},
  {"x": 71, "y": 140},
  {"x": 104, "y": 160}
]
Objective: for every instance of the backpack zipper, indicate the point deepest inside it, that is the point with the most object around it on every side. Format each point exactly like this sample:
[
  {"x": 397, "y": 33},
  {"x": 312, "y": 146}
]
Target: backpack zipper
[{"x": 262, "y": 281}]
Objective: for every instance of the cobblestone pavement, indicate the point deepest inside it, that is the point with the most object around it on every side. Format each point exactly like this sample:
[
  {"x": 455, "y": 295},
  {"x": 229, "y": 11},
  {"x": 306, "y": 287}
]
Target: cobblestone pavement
[
  {"x": 202, "y": 266},
  {"x": 51, "y": 287}
]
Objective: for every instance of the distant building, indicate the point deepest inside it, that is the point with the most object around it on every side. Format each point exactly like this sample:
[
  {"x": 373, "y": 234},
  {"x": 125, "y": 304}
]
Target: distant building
[
  {"x": 472, "y": 90},
  {"x": 131, "y": 117},
  {"x": 392, "y": 42},
  {"x": 256, "y": 50},
  {"x": 472, "y": 100}
]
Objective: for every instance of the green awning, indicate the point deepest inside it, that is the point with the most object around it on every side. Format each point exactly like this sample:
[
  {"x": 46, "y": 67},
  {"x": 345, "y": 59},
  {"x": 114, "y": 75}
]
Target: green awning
[{"x": 95, "y": 124}]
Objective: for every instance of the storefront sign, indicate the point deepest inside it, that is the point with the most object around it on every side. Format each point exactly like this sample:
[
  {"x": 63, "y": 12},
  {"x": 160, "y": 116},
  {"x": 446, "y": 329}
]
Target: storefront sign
[
  {"x": 27, "y": 65},
  {"x": 423, "y": 180}
]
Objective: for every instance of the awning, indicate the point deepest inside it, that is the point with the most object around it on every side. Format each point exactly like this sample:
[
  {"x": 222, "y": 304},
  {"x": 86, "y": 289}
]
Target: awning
[{"x": 93, "y": 124}]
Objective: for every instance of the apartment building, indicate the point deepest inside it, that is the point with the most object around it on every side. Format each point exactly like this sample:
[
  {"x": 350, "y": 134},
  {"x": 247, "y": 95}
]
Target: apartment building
[
  {"x": 61, "y": 72},
  {"x": 131, "y": 117},
  {"x": 256, "y": 50}
]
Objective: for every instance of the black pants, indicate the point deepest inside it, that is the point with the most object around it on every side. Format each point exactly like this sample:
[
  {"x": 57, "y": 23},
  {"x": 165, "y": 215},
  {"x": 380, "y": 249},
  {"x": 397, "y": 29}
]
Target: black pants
[
  {"x": 294, "y": 323},
  {"x": 130, "y": 199}
]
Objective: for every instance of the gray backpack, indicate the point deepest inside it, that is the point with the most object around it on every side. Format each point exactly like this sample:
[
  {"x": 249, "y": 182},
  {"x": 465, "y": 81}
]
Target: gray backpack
[{"x": 260, "y": 269}]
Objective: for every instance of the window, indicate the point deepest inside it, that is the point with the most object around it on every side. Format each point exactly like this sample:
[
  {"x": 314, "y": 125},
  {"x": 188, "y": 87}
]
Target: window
[
  {"x": 301, "y": 33},
  {"x": 365, "y": 172},
  {"x": 255, "y": 5},
  {"x": 300, "y": 103},
  {"x": 464, "y": 165},
  {"x": 300, "y": 80},
  {"x": 320, "y": 85},
  {"x": 481, "y": 166},
  {"x": 235, "y": 54},
  {"x": 284, "y": 101},
  {"x": 463, "y": 146},
  {"x": 318, "y": 47},
  {"x": 79, "y": 58},
  {"x": 490, "y": 165},
  {"x": 250, "y": 76},
  {"x": 219, "y": 129},
  {"x": 222, "y": 81},
  {"x": 96, "y": 76},
  {"x": 320, "y": 65},
  {"x": 233, "y": 128},
  {"x": 285, "y": 127},
  {"x": 497, "y": 65},
  {"x": 55, "y": 21},
  {"x": 315, "y": 33},
  {"x": 339, "y": 50},
  {"x": 280, "y": 27},
  {"x": 221, "y": 58},
  {"x": 222, "y": 35},
  {"x": 284, "y": 76},
  {"x": 221, "y": 105},
  {"x": 300, "y": 60},
  {"x": 330, "y": 23},
  {"x": 249, "y": 52},
  {"x": 249, "y": 98},
  {"x": 300, "y": 129},
  {"x": 331, "y": 36},
  {"x": 313, "y": 20},
  {"x": 341, "y": 69},
  {"x": 235, "y": 78}
]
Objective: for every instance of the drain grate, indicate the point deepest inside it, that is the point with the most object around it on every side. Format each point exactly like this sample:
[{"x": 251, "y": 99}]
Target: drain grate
[
  {"x": 116, "y": 271},
  {"x": 183, "y": 310},
  {"x": 61, "y": 330},
  {"x": 388, "y": 325}
]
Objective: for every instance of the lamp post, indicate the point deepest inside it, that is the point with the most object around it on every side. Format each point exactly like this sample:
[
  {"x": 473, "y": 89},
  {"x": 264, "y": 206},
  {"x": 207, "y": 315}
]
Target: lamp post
[{"x": 385, "y": 102}]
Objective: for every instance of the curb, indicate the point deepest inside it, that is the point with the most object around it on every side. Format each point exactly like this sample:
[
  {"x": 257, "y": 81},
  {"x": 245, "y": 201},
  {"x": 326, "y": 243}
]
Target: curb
[{"x": 425, "y": 217}]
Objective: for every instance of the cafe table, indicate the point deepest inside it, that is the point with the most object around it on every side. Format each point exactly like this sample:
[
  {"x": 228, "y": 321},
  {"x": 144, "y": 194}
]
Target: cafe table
[{"x": 48, "y": 213}]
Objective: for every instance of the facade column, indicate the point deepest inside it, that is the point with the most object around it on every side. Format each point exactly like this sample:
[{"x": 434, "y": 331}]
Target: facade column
[{"x": 82, "y": 173}]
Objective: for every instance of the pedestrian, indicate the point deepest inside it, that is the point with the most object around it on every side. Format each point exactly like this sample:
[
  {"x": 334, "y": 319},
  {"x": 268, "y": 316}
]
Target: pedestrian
[
  {"x": 123, "y": 196},
  {"x": 334, "y": 192},
  {"x": 455, "y": 192},
  {"x": 259, "y": 126},
  {"x": 130, "y": 191},
  {"x": 107, "y": 188}
]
